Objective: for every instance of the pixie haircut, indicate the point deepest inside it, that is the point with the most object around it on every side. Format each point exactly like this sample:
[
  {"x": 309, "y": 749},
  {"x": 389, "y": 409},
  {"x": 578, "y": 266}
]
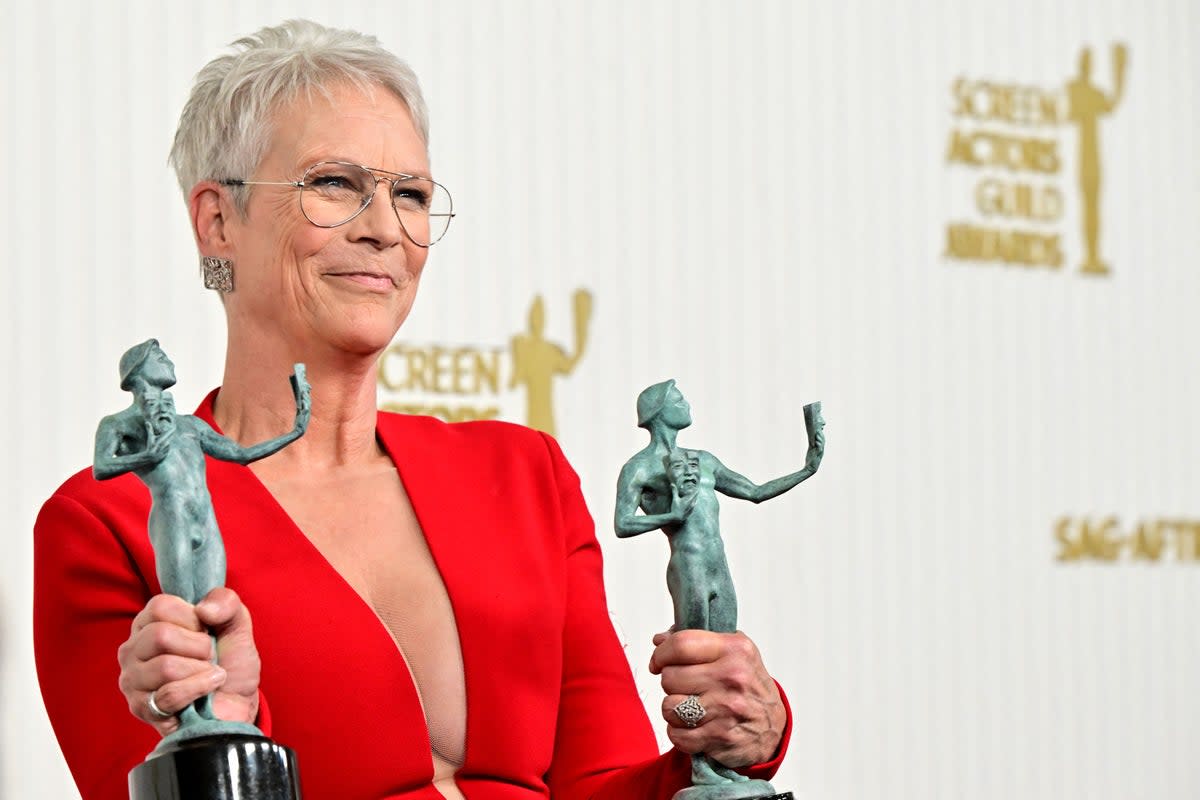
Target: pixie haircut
[{"x": 225, "y": 127}]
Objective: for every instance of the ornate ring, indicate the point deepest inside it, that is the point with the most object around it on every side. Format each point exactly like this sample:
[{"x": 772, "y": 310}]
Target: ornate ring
[
  {"x": 690, "y": 712},
  {"x": 154, "y": 709}
]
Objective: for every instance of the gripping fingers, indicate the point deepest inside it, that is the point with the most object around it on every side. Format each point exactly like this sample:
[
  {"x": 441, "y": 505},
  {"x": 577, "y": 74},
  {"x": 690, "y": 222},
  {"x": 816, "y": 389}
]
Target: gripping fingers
[
  {"x": 165, "y": 638},
  {"x": 166, "y": 608},
  {"x": 173, "y": 694},
  {"x": 221, "y": 610}
]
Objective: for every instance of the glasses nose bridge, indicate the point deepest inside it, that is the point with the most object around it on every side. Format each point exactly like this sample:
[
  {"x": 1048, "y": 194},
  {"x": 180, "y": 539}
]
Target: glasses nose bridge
[
  {"x": 391, "y": 182},
  {"x": 369, "y": 197},
  {"x": 375, "y": 181}
]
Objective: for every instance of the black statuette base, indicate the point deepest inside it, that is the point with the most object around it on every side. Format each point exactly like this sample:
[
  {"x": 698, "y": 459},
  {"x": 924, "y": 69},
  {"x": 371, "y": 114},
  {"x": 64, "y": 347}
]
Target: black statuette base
[
  {"x": 734, "y": 790},
  {"x": 229, "y": 767}
]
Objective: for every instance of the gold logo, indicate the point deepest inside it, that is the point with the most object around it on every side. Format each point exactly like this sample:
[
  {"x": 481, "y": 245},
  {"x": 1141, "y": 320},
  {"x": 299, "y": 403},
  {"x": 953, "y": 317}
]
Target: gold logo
[
  {"x": 1106, "y": 539},
  {"x": 464, "y": 382},
  {"x": 1011, "y": 133}
]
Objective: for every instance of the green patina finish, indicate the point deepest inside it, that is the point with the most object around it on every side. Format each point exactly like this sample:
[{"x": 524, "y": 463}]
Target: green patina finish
[
  {"x": 676, "y": 489},
  {"x": 166, "y": 451}
]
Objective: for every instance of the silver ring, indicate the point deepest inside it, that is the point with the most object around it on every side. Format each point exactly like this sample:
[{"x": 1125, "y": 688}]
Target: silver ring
[
  {"x": 690, "y": 712},
  {"x": 154, "y": 709}
]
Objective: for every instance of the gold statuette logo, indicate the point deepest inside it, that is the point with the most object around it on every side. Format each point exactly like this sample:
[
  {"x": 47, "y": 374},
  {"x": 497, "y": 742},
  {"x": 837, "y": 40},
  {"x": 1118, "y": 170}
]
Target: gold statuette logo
[
  {"x": 1011, "y": 133},
  {"x": 536, "y": 362},
  {"x": 1088, "y": 104},
  {"x": 464, "y": 382}
]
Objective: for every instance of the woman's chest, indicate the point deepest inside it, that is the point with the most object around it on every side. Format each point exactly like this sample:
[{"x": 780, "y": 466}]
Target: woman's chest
[
  {"x": 461, "y": 582},
  {"x": 370, "y": 535},
  {"x": 362, "y": 591}
]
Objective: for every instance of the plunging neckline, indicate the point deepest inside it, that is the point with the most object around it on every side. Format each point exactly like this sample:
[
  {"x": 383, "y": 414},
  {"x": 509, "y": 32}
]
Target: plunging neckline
[{"x": 420, "y": 511}]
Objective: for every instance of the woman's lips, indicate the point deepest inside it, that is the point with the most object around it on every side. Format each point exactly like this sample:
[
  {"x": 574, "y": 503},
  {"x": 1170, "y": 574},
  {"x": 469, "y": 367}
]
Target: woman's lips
[{"x": 368, "y": 280}]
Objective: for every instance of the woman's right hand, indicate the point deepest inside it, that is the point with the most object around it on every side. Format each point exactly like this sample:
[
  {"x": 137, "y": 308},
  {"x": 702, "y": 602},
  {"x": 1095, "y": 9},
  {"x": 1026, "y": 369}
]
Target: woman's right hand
[{"x": 168, "y": 652}]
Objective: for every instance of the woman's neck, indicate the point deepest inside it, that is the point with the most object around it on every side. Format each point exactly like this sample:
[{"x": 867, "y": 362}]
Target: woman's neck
[{"x": 256, "y": 403}]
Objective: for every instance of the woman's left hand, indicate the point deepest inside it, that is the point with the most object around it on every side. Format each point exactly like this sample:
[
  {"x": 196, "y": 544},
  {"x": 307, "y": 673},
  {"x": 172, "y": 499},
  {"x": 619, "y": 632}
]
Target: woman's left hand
[{"x": 743, "y": 717}]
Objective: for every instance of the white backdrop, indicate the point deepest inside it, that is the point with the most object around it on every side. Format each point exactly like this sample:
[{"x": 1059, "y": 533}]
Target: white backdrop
[{"x": 756, "y": 195}]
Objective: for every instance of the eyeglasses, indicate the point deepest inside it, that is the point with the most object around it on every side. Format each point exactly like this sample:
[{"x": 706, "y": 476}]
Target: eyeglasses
[{"x": 334, "y": 192}]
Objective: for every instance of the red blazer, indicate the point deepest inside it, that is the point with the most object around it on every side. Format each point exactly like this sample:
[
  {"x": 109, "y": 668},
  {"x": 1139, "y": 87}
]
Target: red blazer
[{"x": 551, "y": 706}]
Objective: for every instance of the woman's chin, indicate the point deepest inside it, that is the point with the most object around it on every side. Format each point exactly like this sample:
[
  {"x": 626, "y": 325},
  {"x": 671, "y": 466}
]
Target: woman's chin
[
  {"x": 361, "y": 341},
  {"x": 322, "y": 330},
  {"x": 363, "y": 334}
]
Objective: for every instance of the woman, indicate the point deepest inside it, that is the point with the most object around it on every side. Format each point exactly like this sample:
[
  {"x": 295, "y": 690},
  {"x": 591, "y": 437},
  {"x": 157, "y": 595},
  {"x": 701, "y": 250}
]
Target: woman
[{"x": 426, "y": 598}]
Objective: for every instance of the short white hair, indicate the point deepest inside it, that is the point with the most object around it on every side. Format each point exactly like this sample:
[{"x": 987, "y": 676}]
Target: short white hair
[{"x": 225, "y": 128}]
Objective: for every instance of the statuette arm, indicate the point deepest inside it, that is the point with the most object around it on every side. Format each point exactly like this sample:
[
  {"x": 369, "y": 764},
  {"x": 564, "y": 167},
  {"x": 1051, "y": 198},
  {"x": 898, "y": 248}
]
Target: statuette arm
[
  {"x": 583, "y": 315},
  {"x": 225, "y": 449},
  {"x": 1120, "y": 56},
  {"x": 106, "y": 463},
  {"x": 732, "y": 484},
  {"x": 627, "y": 521}
]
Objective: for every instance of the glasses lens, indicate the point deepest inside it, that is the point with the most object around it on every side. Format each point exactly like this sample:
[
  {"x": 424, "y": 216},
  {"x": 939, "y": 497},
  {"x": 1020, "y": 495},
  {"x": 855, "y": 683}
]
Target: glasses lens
[
  {"x": 424, "y": 208},
  {"x": 333, "y": 193}
]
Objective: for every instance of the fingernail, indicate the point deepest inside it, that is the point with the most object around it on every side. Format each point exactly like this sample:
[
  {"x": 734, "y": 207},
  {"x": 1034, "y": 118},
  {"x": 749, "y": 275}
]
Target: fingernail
[{"x": 217, "y": 676}]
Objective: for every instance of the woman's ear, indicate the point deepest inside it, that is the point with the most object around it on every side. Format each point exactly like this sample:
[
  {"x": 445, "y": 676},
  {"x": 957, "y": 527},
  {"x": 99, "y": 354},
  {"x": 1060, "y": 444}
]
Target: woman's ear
[{"x": 210, "y": 209}]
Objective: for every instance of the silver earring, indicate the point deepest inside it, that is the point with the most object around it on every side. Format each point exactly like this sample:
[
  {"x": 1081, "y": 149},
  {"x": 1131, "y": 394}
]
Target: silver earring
[{"x": 218, "y": 274}]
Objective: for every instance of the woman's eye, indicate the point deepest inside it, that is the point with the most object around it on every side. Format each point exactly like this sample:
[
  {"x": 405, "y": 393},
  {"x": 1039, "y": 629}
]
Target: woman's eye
[
  {"x": 411, "y": 196},
  {"x": 335, "y": 182}
]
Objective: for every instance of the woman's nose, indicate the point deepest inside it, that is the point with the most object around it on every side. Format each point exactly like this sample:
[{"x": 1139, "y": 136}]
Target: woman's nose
[{"x": 379, "y": 223}]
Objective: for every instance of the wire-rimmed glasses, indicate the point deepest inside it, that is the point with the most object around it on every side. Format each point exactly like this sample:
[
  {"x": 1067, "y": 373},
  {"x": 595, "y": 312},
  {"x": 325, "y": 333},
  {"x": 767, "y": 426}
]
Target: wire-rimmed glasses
[{"x": 334, "y": 192}]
